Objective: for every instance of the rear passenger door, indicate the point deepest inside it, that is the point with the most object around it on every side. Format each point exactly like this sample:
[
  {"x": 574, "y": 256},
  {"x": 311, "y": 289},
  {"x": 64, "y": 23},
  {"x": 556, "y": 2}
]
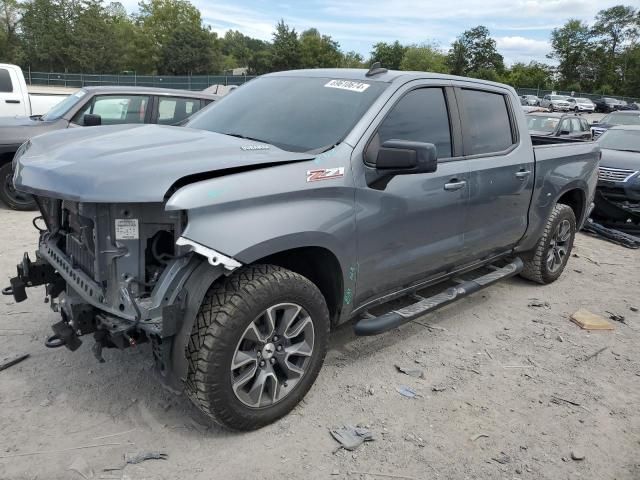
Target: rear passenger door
[
  {"x": 175, "y": 110},
  {"x": 501, "y": 171},
  {"x": 11, "y": 95}
]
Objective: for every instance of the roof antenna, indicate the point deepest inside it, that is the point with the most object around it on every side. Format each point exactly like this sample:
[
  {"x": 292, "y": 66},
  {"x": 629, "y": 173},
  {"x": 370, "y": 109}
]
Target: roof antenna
[{"x": 376, "y": 69}]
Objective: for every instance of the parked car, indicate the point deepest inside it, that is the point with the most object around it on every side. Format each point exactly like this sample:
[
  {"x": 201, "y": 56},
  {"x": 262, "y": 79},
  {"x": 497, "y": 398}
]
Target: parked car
[
  {"x": 613, "y": 119},
  {"x": 93, "y": 106},
  {"x": 627, "y": 105},
  {"x": 606, "y": 104},
  {"x": 618, "y": 198},
  {"x": 555, "y": 102},
  {"x": 558, "y": 125},
  {"x": 530, "y": 100},
  {"x": 298, "y": 202},
  {"x": 581, "y": 104},
  {"x": 16, "y": 98}
]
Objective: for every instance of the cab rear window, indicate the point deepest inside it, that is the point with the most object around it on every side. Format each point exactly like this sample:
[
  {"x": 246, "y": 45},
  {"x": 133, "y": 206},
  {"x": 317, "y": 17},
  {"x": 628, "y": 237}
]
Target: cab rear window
[{"x": 5, "y": 81}]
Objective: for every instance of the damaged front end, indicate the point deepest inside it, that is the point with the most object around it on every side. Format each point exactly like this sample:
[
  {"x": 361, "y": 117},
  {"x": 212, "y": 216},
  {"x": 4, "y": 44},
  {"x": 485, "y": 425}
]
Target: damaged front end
[{"x": 117, "y": 271}]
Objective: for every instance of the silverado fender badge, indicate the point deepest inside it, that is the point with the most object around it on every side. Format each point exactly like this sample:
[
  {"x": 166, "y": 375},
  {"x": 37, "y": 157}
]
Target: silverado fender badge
[
  {"x": 255, "y": 147},
  {"x": 324, "y": 174}
]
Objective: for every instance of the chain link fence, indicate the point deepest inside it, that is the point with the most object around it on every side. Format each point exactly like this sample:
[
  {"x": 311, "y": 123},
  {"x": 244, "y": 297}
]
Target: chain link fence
[
  {"x": 200, "y": 82},
  {"x": 184, "y": 82}
]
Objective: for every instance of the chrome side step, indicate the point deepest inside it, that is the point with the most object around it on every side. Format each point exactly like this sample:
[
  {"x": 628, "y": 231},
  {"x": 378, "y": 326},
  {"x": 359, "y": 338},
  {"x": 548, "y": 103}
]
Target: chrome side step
[{"x": 395, "y": 318}]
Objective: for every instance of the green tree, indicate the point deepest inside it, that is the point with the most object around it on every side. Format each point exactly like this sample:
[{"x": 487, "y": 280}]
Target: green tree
[
  {"x": 286, "y": 53},
  {"x": 352, "y": 60},
  {"x": 318, "y": 51},
  {"x": 189, "y": 49},
  {"x": 10, "y": 42},
  {"x": 532, "y": 75},
  {"x": 474, "y": 53},
  {"x": 424, "y": 58},
  {"x": 389, "y": 55},
  {"x": 571, "y": 47}
]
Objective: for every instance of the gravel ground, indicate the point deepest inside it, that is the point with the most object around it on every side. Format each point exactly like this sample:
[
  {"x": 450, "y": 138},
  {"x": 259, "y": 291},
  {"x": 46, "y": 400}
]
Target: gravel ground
[{"x": 508, "y": 392}]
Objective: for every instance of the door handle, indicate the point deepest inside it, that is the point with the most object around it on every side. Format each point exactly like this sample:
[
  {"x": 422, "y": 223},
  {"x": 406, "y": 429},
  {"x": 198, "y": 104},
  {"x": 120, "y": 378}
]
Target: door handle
[
  {"x": 454, "y": 184},
  {"x": 12, "y": 101},
  {"x": 522, "y": 174}
]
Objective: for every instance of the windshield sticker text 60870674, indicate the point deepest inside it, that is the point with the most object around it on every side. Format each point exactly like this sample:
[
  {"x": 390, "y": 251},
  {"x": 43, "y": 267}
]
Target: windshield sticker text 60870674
[{"x": 347, "y": 85}]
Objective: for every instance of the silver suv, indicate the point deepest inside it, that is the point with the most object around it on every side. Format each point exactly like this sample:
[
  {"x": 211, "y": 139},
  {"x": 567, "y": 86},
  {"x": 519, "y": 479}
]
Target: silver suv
[{"x": 555, "y": 102}]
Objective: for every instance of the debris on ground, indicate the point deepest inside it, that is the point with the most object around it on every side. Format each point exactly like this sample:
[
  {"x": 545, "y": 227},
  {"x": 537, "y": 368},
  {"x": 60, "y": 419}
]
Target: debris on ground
[
  {"x": 406, "y": 391},
  {"x": 577, "y": 455},
  {"x": 412, "y": 372},
  {"x": 81, "y": 467},
  {"x": 502, "y": 459},
  {"x": 350, "y": 437},
  {"x": 595, "y": 354},
  {"x": 633, "y": 309},
  {"x": 539, "y": 304},
  {"x": 590, "y": 321},
  {"x": 617, "y": 318},
  {"x": 134, "y": 458},
  {"x": 441, "y": 388},
  {"x": 480, "y": 435},
  {"x": 11, "y": 361},
  {"x": 615, "y": 236}
]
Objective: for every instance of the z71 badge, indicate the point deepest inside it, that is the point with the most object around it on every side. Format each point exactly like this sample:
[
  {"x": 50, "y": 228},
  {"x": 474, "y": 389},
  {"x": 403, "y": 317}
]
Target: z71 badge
[{"x": 324, "y": 174}]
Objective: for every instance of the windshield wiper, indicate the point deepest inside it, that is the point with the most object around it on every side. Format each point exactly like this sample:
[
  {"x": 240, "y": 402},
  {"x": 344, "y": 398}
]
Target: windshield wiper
[{"x": 244, "y": 137}]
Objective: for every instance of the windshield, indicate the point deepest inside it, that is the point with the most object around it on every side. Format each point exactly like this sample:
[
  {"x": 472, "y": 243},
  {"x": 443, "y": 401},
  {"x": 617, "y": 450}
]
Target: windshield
[
  {"x": 622, "y": 119},
  {"x": 542, "y": 124},
  {"x": 63, "y": 107},
  {"x": 298, "y": 114},
  {"x": 557, "y": 97},
  {"x": 621, "y": 140},
  {"x": 583, "y": 100}
]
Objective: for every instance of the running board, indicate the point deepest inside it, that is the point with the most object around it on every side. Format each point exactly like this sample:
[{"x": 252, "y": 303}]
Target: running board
[{"x": 395, "y": 318}]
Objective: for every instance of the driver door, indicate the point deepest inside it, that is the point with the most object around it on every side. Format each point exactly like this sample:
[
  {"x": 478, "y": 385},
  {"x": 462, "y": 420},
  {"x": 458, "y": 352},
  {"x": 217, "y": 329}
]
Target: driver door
[{"x": 411, "y": 226}]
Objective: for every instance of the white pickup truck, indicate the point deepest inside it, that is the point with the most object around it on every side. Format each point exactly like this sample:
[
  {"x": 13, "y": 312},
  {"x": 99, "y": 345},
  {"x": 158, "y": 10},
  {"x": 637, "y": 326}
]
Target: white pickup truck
[{"x": 18, "y": 99}]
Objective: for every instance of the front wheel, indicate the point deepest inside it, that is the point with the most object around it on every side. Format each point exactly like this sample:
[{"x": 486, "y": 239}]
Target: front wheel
[
  {"x": 257, "y": 346},
  {"x": 550, "y": 108},
  {"x": 9, "y": 195},
  {"x": 553, "y": 248}
]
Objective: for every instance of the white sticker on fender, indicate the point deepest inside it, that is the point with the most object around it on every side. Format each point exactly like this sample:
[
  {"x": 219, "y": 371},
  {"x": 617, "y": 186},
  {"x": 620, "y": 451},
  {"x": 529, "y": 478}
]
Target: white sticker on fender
[
  {"x": 127, "y": 229},
  {"x": 347, "y": 85}
]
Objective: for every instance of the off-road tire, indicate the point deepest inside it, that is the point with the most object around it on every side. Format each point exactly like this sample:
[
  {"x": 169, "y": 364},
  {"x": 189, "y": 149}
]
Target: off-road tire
[
  {"x": 536, "y": 269},
  {"x": 6, "y": 174},
  {"x": 226, "y": 311}
]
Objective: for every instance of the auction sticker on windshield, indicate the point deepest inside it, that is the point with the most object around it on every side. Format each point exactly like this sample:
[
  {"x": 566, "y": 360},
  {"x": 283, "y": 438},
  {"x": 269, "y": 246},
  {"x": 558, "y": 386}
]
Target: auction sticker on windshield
[{"x": 347, "y": 85}]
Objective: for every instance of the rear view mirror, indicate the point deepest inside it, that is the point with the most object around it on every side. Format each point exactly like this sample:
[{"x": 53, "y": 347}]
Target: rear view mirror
[
  {"x": 402, "y": 157},
  {"x": 595, "y": 122},
  {"x": 91, "y": 120},
  {"x": 564, "y": 132}
]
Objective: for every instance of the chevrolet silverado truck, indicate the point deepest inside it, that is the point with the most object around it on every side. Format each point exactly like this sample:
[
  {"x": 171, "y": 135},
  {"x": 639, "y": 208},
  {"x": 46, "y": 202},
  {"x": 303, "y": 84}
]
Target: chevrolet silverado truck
[
  {"x": 303, "y": 200},
  {"x": 92, "y": 106}
]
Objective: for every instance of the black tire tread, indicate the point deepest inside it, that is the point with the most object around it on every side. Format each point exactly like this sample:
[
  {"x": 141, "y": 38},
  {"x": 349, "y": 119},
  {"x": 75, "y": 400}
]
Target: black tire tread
[
  {"x": 224, "y": 305},
  {"x": 534, "y": 268}
]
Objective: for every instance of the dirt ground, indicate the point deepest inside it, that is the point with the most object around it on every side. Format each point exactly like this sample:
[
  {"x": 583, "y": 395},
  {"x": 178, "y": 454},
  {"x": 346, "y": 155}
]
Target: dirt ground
[{"x": 508, "y": 392}]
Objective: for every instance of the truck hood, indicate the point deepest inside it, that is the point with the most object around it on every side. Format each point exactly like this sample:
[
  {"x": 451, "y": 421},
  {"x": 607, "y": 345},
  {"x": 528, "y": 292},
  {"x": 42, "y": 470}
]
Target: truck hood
[
  {"x": 620, "y": 159},
  {"x": 126, "y": 163},
  {"x": 15, "y": 130}
]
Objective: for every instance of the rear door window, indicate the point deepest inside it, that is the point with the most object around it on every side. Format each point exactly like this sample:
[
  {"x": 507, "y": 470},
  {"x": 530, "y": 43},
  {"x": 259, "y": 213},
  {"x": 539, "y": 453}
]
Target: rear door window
[
  {"x": 420, "y": 116},
  {"x": 5, "y": 81},
  {"x": 173, "y": 110},
  {"x": 486, "y": 122}
]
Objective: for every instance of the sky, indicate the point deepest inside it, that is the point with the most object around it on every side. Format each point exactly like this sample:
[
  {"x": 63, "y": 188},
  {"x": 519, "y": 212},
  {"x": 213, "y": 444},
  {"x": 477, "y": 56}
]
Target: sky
[{"x": 521, "y": 28}]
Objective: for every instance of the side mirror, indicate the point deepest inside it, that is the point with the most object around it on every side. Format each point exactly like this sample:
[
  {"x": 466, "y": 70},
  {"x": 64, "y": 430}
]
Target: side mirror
[
  {"x": 564, "y": 132},
  {"x": 91, "y": 120},
  {"x": 403, "y": 157},
  {"x": 595, "y": 122}
]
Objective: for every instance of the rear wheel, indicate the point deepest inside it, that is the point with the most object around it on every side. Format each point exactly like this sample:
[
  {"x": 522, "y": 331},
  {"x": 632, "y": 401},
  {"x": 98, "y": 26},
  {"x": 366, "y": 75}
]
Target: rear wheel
[
  {"x": 553, "y": 248},
  {"x": 258, "y": 344},
  {"x": 9, "y": 195}
]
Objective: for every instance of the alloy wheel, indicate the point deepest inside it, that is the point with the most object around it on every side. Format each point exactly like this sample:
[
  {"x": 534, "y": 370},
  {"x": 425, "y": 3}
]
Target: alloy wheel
[
  {"x": 559, "y": 246},
  {"x": 272, "y": 355}
]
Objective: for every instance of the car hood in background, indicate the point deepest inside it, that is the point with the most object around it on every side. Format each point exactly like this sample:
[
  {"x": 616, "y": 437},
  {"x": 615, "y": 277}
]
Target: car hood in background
[
  {"x": 15, "y": 130},
  {"x": 126, "y": 163},
  {"x": 620, "y": 159}
]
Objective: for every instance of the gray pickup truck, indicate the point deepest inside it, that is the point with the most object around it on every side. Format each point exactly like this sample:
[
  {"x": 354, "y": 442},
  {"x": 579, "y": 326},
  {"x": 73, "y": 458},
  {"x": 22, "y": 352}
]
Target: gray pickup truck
[{"x": 301, "y": 201}]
